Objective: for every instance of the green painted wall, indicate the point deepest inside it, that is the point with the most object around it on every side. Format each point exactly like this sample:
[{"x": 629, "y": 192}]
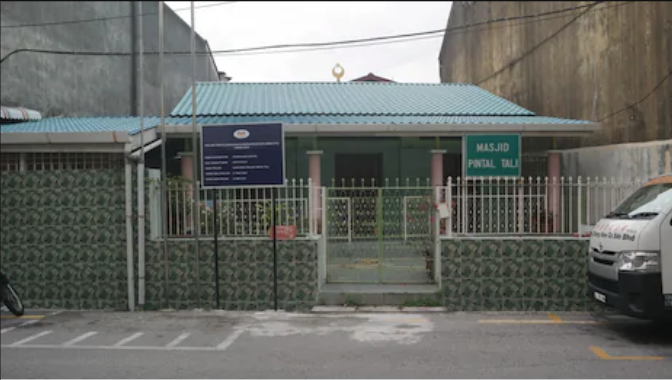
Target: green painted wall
[
  {"x": 407, "y": 157},
  {"x": 402, "y": 157}
]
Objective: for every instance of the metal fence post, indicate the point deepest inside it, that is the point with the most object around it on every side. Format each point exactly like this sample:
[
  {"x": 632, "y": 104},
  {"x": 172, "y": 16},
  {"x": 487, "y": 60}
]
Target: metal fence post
[
  {"x": 311, "y": 207},
  {"x": 580, "y": 206},
  {"x": 449, "y": 201},
  {"x": 588, "y": 205},
  {"x": 520, "y": 189}
]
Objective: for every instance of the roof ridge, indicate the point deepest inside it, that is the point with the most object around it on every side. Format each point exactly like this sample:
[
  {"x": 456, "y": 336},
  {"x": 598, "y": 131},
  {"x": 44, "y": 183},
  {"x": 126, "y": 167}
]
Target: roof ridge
[
  {"x": 229, "y": 114},
  {"x": 86, "y": 119},
  {"x": 337, "y": 83}
]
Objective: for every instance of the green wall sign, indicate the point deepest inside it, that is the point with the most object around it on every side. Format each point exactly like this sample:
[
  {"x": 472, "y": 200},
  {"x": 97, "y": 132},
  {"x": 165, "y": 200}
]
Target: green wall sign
[{"x": 492, "y": 155}]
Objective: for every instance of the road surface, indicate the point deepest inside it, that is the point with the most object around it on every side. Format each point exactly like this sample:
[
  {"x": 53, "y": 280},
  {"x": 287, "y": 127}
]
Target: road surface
[{"x": 222, "y": 344}]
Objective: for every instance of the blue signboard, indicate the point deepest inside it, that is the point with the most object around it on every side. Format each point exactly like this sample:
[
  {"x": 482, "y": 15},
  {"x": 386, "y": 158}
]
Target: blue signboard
[{"x": 237, "y": 155}]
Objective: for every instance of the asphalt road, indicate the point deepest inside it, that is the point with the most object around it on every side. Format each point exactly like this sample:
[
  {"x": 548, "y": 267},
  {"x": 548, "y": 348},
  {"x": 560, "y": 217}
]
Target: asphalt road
[{"x": 353, "y": 345}]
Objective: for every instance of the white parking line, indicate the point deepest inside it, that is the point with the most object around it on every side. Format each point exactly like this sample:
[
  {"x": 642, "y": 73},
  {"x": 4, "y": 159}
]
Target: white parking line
[
  {"x": 230, "y": 339},
  {"x": 83, "y": 347},
  {"x": 128, "y": 339},
  {"x": 8, "y": 329},
  {"x": 80, "y": 338},
  {"x": 30, "y": 338},
  {"x": 178, "y": 340}
]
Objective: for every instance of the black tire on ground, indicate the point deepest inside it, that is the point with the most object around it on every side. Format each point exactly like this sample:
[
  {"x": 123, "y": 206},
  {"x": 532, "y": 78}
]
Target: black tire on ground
[{"x": 13, "y": 301}]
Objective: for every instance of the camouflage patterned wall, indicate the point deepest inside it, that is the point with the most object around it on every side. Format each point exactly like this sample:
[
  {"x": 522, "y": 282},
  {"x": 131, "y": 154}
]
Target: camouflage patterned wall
[
  {"x": 525, "y": 274},
  {"x": 63, "y": 245},
  {"x": 245, "y": 275},
  {"x": 63, "y": 237},
  {"x": 179, "y": 279}
]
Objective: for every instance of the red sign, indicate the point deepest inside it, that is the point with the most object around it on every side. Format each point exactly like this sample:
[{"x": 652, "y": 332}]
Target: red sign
[{"x": 284, "y": 232}]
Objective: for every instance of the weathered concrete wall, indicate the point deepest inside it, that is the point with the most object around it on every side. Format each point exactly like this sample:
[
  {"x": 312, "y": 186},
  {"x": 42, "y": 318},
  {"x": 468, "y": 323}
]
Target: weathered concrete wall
[
  {"x": 72, "y": 85},
  {"x": 622, "y": 161},
  {"x": 582, "y": 64}
]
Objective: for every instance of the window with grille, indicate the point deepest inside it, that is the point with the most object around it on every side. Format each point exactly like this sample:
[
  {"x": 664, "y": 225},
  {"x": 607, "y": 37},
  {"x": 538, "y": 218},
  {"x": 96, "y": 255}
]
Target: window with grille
[
  {"x": 73, "y": 161},
  {"x": 10, "y": 162}
]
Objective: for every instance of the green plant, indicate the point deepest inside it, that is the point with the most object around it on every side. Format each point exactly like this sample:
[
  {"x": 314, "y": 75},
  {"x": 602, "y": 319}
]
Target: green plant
[
  {"x": 287, "y": 213},
  {"x": 353, "y": 301},
  {"x": 237, "y": 215},
  {"x": 422, "y": 302}
]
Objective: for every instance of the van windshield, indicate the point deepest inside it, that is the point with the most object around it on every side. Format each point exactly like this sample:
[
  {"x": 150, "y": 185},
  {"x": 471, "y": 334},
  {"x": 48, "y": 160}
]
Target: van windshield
[{"x": 645, "y": 203}]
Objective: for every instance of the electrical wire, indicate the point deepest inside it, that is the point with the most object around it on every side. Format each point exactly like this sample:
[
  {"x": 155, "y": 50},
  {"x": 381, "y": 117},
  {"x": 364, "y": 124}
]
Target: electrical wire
[
  {"x": 121, "y": 17},
  {"x": 317, "y": 49},
  {"x": 488, "y": 28},
  {"x": 640, "y": 101},
  {"x": 660, "y": 83},
  {"x": 481, "y": 29},
  {"x": 312, "y": 44},
  {"x": 534, "y": 48}
]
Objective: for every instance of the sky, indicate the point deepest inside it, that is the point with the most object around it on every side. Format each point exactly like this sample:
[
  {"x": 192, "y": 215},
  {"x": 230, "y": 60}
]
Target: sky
[{"x": 244, "y": 24}]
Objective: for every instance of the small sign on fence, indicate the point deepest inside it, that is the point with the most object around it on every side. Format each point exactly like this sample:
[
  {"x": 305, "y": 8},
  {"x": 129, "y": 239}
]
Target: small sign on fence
[
  {"x": 443, "y": 210},
  {"x": 284, "y": 232},
  {"x": 492, "y": 156}
]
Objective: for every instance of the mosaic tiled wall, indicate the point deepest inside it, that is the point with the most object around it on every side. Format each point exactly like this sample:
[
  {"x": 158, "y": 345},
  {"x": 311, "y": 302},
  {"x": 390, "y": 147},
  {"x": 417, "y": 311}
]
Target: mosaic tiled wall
[
  {"x": 245, "y": 275},
  {"x": 515, "y": 275},
  {"x": 63, "y": 245},
  {"x": 62, "y": 237}
]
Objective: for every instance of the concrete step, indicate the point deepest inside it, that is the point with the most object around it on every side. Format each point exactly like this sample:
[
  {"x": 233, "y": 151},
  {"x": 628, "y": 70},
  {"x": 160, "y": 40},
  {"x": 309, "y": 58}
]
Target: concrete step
[{"x": 380, "y": 295}]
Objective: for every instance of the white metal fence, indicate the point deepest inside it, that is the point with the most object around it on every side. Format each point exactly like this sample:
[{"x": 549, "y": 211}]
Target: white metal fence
[
  {"x": 476, "y": 206},
  {"x": 241, "y": 212},
  {"x": 492, "y": 206}
]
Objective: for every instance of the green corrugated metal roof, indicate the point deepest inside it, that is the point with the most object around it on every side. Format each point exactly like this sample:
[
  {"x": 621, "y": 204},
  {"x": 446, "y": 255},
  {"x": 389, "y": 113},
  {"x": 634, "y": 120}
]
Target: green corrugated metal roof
[
  {"x": 132, "y": 124},
  {"x": 82, "y": 124},
  {"x": 351, "y": 98},
  {"x": 318, "y": 103}
]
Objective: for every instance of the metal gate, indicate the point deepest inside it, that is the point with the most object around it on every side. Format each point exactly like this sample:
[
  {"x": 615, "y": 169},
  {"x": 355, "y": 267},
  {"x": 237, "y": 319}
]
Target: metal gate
[{"x": 380, "y": 235}]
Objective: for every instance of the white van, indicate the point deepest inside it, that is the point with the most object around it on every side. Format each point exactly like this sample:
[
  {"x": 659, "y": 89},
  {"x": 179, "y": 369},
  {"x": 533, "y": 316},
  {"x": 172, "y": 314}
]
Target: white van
[{"x": 630, "y": 258}]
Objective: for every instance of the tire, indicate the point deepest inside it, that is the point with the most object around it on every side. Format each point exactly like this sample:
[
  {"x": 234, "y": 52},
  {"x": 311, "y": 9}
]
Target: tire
[{"x": 13, "y": 301}]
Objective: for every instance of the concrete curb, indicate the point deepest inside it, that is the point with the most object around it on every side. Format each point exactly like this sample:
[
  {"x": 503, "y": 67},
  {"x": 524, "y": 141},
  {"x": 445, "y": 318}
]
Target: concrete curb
[
  {"x": 332, "y": 309},
  {"x": 375, "y": 309}
]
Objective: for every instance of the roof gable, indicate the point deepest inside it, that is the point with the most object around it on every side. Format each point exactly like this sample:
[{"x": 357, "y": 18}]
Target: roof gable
[{"x": 371, "y": 77}]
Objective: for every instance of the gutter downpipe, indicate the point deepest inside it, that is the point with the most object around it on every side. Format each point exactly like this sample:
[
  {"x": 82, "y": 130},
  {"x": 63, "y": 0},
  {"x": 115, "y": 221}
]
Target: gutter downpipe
[
  {"x": 164, "y": 177},
  {"x": 129, "y": 228},
  {"x": 141, "y": 169}
]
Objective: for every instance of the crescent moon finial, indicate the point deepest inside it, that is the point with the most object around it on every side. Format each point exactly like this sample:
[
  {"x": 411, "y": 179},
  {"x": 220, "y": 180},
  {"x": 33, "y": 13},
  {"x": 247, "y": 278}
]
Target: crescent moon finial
[{"x": 338, "y": 74}]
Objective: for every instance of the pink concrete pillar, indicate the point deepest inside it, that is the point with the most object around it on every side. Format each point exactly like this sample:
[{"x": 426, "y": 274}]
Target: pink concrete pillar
[
  {"x": 554, "y": 189},
  {"x": 187, "y": 165},
  {"x": 315, "y": 198},
  {"x": 437, "y": 168},
  {"x": 187, "y": 172}
]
